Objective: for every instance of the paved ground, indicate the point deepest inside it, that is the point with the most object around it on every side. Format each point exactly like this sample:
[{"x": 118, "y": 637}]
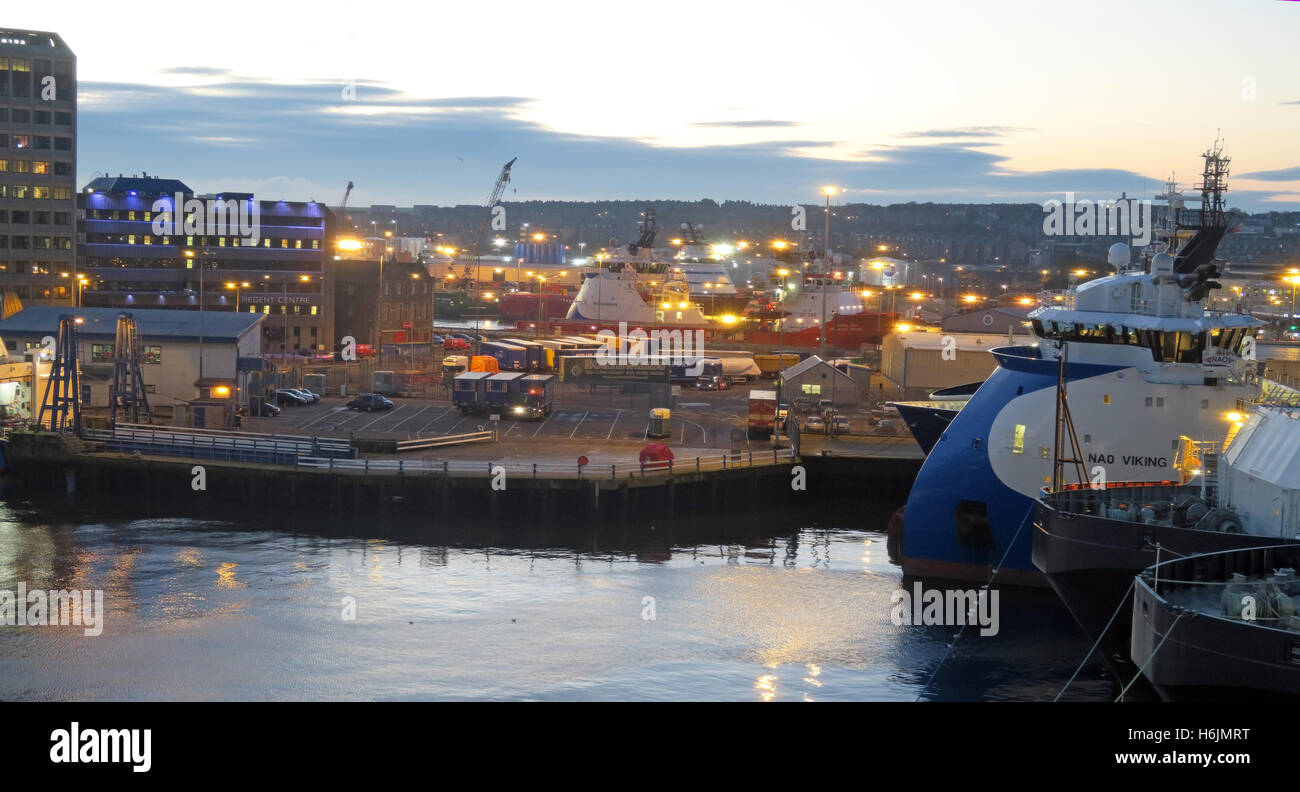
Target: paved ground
[
  {"x": 583, "y": 422},
  {"x": 707, "y": 425}
]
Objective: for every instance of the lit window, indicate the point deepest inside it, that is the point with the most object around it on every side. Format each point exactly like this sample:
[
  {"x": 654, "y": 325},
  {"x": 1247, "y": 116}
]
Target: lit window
[
  {"x": 1105, "y": 399},
  {"x": 1018, "y": 439}
]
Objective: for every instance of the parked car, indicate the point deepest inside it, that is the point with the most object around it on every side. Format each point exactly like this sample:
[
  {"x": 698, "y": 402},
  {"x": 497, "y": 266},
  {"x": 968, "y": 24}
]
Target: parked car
[
  {"x": 306, "y": 394},
  {"x": 264, "y": 409},
  {"x": 368, "y": 402},
  {"x": 712, "y": 383},
  {"x": 815, "y": 424},
  {"x": 290, "y": 397},
  {"x": 451, "y": 344},
  {"x": 839, "y": 425},
  {"x": 437, "y": 339},
  {"x": 886, "y": 426}
]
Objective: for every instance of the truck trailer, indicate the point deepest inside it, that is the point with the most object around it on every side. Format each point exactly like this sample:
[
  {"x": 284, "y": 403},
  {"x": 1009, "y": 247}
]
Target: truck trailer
[
  {"x": 469, "y": 391},
  {"x": 762, "y": 413}
]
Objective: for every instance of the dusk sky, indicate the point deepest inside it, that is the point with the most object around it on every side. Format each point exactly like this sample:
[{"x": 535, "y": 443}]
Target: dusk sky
[{"x": 765, "y": 101}]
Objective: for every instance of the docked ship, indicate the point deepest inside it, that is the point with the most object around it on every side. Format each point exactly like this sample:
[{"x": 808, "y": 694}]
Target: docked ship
[
  {"x": 1090, "y": 542},
  {"x": 1220, "y": 626},
  {"x": 1146, "y": 363},
  {"x": 608, "y": 298},
  {"x": 532, "y": 306},
  {"x": 706, "y": 274},
  {"x": 928, "y": 419}
]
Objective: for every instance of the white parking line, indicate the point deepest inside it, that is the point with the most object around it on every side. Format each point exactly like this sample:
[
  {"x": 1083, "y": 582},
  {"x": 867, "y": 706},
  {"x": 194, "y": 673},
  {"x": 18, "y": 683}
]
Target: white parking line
[
  {"x": 404, "y": 420},
  {"x": 351, "y": 415},
  {"x": 580, "y": 420},
  {"x": 543, "y": 424},
  {"x": 435, "y": 419},
  {"x": 382, "y": 415},
  {"x": 615, "y": 423}
]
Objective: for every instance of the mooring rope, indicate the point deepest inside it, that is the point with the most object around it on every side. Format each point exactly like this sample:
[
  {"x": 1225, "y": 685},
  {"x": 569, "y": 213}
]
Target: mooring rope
[
  {"x": 1100, "y": 635},
  {"x": 952, "y": 647},
  {"x": 1163, "y": 638}
]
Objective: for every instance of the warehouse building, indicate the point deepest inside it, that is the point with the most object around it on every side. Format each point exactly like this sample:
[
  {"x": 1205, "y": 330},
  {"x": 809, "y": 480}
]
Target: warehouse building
[
  {"x": 229, "y": 343},
  {"x": 815, "y": 379},
  {"x": 914, "y": 364}
]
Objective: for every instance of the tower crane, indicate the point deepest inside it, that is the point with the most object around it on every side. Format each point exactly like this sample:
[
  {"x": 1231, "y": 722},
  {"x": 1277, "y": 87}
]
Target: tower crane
[
  {"x": 497, "y": 189},
  {"x": 343, "y": 204}
]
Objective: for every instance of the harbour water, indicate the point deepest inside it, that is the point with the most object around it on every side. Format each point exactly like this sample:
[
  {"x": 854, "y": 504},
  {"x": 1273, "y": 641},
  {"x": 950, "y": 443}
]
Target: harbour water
[{"x": 743, "y": 609}]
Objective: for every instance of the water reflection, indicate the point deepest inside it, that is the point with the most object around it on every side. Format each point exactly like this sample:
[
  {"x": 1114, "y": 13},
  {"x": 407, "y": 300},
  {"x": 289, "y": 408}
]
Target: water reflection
[{"x": 765, "y": 607}]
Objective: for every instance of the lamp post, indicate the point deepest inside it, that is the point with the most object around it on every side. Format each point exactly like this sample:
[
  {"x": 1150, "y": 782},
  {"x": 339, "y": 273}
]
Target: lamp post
[
  {"x": 780, "y": 352},
  {"x": 1294, "y": 280},
  {"x": 828, "y": 191},
  {"x": 237, "y": 287},
  {"x": 189, "y": 254}
]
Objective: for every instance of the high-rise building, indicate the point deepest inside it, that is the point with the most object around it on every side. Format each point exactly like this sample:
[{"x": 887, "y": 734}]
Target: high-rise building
[
  {"x": 226, "y": 251},
  {"x": 38, "y": 166}
]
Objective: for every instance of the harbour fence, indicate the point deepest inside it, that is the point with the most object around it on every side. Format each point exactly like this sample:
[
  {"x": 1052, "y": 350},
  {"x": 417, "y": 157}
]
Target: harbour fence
[{"x": 609, "y": 471}]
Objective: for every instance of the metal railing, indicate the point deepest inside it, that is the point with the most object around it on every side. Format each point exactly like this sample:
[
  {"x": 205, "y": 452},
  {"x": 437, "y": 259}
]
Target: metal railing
[
  {"x": 446, "y": 440},
  {"x": 217, "y": 444},
  {"x": 613, "y": 471}
]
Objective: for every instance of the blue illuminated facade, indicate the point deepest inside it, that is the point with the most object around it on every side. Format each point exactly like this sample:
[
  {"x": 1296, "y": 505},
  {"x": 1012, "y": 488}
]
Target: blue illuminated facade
[{"x": 254, "y": 256}]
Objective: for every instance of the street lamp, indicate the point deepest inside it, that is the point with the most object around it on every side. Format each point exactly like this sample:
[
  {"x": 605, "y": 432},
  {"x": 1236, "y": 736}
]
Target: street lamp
[
  {"x": 828, "y": 191},
  {"x": 780, "y": 351},
  {"x": 237, "y": 287},
  {"x": 189, "y": 254}
]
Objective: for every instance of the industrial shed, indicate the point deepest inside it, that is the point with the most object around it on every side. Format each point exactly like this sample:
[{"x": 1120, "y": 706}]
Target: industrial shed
[
  {"x": 915, "y": 363},
  {"x": 817, "y": 379}
]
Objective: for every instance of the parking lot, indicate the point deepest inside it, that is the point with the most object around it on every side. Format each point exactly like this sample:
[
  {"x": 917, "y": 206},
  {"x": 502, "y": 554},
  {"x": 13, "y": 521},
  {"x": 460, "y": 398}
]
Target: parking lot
[
  {"x": 695, "y": 423},
  {"x": 583, "y": 420}
]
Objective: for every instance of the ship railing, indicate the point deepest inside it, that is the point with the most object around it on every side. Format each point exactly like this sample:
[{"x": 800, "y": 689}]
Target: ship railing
[
  {"x": 1128, "y": 496},
  {"x": 1240, "y": 572}
]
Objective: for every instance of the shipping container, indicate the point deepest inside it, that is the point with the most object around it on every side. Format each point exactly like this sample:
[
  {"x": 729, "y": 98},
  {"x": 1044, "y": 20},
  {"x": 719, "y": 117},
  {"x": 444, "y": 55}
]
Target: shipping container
[
  {"x": 771, "y": 365},
  {"x": 762, "y": 412},
  {"x": 509, "y": 357},
  {"x": 536, "y": 353}
]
